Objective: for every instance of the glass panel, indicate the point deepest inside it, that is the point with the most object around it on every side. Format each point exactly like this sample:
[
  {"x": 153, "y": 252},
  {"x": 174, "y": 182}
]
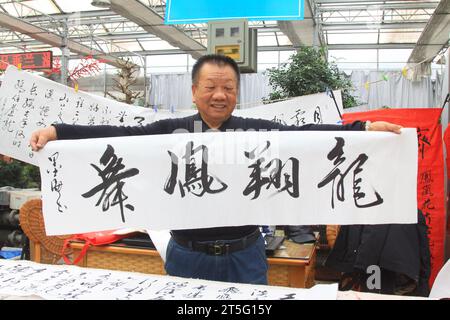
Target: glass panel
[
  {"x": 44, "y": 6},
  {"x": 76, "y": 6},
  {"x": 220, "y": 32},
  {"x": 172, "y": 60},
  {"x": 283, "y": 40},
  {"x": 394, "y": 55},
  {"x": 156, "y": 45},
  {"x": 352, "y": 38},
  {"x": 268, "y": 57},
  {"x": 285, "y": 55},
  {"x": 348, "y": 67},
  {"x": 351, "y": 56},
  {"x": 267, "y": 40},
  {"x": 391, "y": 66},
  {"x": 129, "y": 46},
  {"x": 234, "y": 32},
  {"x": 411, "y": 37},
  {"x": 265, "y": 66},
  {"x": 16, "y": 10}
]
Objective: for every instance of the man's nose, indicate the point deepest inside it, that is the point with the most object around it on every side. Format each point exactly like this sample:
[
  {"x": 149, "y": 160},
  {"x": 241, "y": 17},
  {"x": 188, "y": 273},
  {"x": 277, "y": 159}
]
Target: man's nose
[{"x": 219, "y": 94}]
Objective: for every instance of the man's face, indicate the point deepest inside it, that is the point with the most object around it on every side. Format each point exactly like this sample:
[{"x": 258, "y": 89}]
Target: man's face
[{"x": 215, "y": 93}]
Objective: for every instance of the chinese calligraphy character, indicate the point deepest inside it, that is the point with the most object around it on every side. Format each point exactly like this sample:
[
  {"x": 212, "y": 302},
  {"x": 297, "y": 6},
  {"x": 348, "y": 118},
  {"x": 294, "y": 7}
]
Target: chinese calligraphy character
[
  {"x": 227, "y": 293},
  {"x": 196, "y": 180},
  {"x": 112, "y": 184},
  {"x": 56, "y": 185},
  {"x": 423, "y": 141},
  {"x": 336, "y": 154},
  {"x": 279, "y": 120},
  {"x": 298, "y": 119},
  {"x": 121, "y": 116},
  {"x": 273, "y": 170},
  {"x": 139, "y": 120},
  {"x": 318, "y": 115}
]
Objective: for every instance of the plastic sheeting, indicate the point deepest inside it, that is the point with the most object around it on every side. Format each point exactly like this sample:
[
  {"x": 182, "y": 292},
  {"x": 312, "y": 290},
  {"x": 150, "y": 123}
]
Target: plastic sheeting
[
  {"x": 397, "y": 91},
  {"x": 173, "y": 91}
]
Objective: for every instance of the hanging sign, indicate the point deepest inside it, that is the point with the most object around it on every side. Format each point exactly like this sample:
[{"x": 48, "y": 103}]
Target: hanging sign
[
  {"x": 27, "y": 60},
  {"x": 199, "y": 11}
]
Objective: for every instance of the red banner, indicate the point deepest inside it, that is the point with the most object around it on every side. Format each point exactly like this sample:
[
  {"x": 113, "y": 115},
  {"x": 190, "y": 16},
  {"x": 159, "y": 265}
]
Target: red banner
[
  {"x": 430, "y": 176},
  {"x": 447, "y": 160}
]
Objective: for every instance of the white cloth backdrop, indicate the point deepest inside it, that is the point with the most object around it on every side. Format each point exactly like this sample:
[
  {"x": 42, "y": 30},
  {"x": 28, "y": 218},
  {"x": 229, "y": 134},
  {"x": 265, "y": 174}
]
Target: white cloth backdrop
[
  {"x": 168, "y": 91},
  {"x": 174, "y": 90},
  {"x": 396, "y": 92}
]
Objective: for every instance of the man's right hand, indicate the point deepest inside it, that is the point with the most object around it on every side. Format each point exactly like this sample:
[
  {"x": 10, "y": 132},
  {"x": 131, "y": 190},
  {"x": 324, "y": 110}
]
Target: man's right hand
[{"x": 40, "y": 137}]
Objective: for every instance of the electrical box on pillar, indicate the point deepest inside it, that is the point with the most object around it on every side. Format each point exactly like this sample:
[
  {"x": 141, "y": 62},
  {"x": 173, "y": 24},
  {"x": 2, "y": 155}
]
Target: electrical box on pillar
[{"x": 235, "y": 39}]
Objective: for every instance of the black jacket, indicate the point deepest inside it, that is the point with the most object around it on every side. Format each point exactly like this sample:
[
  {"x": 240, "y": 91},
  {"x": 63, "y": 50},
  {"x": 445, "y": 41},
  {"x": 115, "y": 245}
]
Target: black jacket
[{"x": 400, "y": 248}]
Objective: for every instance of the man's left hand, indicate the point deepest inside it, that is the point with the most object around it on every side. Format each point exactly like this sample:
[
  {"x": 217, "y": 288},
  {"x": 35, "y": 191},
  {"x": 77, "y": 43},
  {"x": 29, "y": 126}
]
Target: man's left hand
[{"x": 384, "y": 126}]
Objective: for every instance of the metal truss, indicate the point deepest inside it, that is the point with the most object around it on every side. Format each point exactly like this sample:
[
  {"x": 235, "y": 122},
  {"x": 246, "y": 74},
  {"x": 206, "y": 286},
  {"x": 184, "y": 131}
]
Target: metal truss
[
  {"x": 369, "y": 16},
  {"x": 103, "y": 28}
]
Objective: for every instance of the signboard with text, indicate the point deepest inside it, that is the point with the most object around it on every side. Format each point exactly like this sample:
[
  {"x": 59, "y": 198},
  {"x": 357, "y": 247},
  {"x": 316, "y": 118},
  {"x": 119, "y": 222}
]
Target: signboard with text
[
  {"x": 28, "y": 60},
  {"x": 183, "y": 11}
]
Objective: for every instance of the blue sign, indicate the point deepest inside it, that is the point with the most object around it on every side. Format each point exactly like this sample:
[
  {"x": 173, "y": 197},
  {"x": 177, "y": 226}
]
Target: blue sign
[{"x": 199, "y": 11}]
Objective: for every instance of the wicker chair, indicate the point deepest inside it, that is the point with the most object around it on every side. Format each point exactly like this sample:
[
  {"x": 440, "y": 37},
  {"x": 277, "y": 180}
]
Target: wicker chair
[{"x": 48, "y": 248}]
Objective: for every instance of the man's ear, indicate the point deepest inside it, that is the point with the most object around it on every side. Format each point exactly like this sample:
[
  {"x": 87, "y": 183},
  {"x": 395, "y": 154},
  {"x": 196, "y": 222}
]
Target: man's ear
[{"x": 194, "y": 90}]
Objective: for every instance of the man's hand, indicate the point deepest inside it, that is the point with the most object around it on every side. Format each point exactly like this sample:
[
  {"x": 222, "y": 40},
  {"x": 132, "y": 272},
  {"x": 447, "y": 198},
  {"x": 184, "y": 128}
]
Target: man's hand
[
  {"x": 40, "y": 137},
  {"x": 5, "y": 158},
  {"x": 384, "y": 126}
]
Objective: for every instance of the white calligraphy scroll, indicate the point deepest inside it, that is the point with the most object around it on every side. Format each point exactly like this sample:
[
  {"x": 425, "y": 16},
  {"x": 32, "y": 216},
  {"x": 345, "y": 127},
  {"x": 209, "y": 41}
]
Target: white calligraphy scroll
[
  {"x": 315, "y": 108},
  {"x": 225, "y": 179},
  {"x": 29, "y": 102},
  {"x": 56, "y": 282}
]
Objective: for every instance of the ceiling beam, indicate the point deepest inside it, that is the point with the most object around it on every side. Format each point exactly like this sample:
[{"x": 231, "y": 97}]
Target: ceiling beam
[
  {"x": 371, "y": 26},
  {"x": 51, "y": 38},
  {"x": 352, "y": 46},
  {"x": 302, "y": 32},
  {"x": 434, "y": 36},
  {"x": 153, "y": 23},
  {"x": 411, "y": 6}
]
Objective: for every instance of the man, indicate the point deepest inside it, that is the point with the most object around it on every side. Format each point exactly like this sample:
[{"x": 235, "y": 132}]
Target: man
[{"x": 234, "y": 254}]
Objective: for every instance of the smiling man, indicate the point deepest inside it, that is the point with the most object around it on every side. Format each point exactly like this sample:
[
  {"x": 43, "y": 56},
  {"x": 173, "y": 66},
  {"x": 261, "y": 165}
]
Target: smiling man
[
  {"x": 233, "y": 254},
  {"x": 214, "y": 91}
]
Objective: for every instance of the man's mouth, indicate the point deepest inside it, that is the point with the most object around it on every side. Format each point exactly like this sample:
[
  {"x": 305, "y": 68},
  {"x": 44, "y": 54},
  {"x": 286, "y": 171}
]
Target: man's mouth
[{"x": 218, "y": 106}]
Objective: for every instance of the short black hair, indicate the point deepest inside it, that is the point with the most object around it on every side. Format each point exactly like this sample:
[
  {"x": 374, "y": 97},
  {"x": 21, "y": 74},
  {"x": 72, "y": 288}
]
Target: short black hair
[{"x": 216, "y": 59}]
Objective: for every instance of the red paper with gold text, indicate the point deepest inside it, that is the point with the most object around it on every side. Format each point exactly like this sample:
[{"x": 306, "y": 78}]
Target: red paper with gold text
[{"x": 430, "y": 177}]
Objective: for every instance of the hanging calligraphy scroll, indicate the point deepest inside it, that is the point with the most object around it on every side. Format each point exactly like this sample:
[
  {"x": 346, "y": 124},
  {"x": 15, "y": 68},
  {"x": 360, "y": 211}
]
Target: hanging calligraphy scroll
[
  {"x": 29, "y": 102},
  {"x": 430, "y": 178},
  {"x": 229, "y": 178}
]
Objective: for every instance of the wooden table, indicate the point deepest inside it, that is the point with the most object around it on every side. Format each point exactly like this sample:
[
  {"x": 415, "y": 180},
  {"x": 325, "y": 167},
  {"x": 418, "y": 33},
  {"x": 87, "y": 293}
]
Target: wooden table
[{"x": 291, "y": 266}]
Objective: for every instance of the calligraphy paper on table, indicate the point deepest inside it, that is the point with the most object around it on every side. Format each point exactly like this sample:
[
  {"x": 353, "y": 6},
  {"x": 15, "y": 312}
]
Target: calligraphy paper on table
[
  {"x": 26, "y": 278},
  {"x": 29, "y": 102},
  {"x": 184, "y": 181}
]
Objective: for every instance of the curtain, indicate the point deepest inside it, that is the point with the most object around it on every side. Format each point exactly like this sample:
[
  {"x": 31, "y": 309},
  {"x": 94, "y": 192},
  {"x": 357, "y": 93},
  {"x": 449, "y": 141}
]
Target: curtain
[
  {"x": 396, "y": 91},
  {"x": 173, "y": 91}
]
